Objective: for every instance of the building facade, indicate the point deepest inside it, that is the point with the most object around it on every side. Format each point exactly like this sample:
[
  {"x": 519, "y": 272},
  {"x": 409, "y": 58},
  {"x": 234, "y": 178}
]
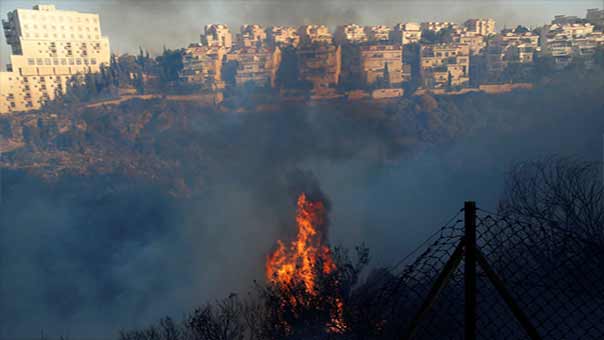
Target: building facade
[
  {"x": 350, "y": 34},
  {"x": 252, "y": 35},
  {"x": 595, "y": 17},
  {"x": 443, "y": 65},
  {"x": 484, "y": 27},
  {"x": 383, "y": 62},
  {"x": 283, "y": 36},
  {"x": 377, "y": 33},
  {"x": 217, "y": 35},
  {"x": 49, "y": 47},
  {"x": 312, "y": 34},
  {"x": 202, "y": 65},
  {"x": 406, "y": 33},
  {"x": 319, "y": 65},
  {"x": 256, "y": 65}
]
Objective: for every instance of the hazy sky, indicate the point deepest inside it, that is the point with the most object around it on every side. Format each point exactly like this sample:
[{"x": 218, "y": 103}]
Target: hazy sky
[{"x": 176, "y": 23}]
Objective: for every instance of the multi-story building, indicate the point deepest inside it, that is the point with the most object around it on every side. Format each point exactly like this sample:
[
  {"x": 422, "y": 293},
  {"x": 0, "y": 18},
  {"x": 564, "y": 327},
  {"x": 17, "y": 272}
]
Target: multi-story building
[
  {"x": 436, "y": 25},
  {"x": 595, "y": 17},
  {"x": 251, "y": 35},
  {"x": 484, "y": 27},
  {"x": 283, "y": 36},
  {"x": 563, "y": 42},
  {"x": 350, "y": 34},
  {"x": 475, "y": 42},
  {"x": 444, "y": 65},
  {"x": 217, "y": 35},
  {"x": 320, "y": 65},
  {"x": 377, "y": 33},
  {"x": 406, "y": 33},
  {"x": 566, "y": 20},
  {"x": 202, "y": 65},
  {"x": 257, "y": 65},
  {"x": 312, "y": 34},
  {"x": 49, "y": 47},
  {"x": 509, "y": 47},
  {"x": 383, "y": 62}
]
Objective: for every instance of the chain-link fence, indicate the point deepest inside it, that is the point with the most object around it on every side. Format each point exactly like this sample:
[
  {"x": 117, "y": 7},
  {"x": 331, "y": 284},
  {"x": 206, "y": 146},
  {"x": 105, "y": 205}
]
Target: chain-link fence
[{"x": 532, "y": 282}]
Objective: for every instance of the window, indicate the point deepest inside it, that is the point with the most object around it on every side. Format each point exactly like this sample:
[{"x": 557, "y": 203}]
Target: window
[
  {"x": 39, "y": 62},
  {"x": 93, "y": 61},
  {"x": 63, "y": 61},
  {"x": 31, "y": 61},
  {"x": 47, "y": 61},
  {"x": 79, "y": 61}
]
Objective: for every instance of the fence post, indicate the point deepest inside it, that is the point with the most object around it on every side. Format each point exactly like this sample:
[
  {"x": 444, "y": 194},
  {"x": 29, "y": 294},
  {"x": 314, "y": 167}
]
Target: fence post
[{"x": 470, "y": 270}]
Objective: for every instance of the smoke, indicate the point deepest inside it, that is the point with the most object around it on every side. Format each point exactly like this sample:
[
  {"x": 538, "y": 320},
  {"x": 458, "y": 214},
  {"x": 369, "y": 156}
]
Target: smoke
[
  {"x": 177, "y": 23},
  {"x": 153, "y": 24},
  {"x": 87, "y": 256}
]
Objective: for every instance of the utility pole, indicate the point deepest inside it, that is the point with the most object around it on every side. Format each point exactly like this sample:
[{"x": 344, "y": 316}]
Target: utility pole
[{"x": 470, "y": 271}]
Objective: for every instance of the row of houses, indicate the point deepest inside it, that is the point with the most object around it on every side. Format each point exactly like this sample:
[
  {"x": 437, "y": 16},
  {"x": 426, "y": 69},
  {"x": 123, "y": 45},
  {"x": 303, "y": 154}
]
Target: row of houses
[{"x": 359, "y": 55}]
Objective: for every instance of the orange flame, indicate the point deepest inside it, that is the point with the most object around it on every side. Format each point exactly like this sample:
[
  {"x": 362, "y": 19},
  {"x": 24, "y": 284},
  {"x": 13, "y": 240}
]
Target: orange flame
[{"x": 299, "y": 262}]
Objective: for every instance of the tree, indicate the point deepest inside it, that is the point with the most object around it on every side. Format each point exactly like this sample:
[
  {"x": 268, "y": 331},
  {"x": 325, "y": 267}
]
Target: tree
[
  {"x": 386, "y": 76},
  {"x": 521, "y": 29},
  {"x": 170, "y": 65},
  {"x": 557, "y": 192}
]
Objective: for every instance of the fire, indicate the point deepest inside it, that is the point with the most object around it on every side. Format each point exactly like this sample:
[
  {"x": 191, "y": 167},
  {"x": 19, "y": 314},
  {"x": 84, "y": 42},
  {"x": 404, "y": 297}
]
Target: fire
[
  {"x": 297, "y": 263},
  {"x": 304, "y": 258}
]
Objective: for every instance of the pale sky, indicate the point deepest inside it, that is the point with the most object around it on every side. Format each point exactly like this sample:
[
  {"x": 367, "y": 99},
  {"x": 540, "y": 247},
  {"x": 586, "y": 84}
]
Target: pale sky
[{"x": 176, "y": 23}]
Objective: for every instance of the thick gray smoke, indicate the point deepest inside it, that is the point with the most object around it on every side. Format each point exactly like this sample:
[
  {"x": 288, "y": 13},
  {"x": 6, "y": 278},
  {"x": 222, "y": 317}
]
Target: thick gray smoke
[
  {"x": 84, "y": 257},
  {"x": 153, "y": 24}
]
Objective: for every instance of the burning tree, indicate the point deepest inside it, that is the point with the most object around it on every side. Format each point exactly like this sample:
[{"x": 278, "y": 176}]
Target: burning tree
[{"x": 306, "y": 290}]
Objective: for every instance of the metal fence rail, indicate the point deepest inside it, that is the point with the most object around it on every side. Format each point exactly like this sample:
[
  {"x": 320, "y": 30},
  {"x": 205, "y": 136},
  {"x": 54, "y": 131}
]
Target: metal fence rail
[{"x": 495, "y": 278}]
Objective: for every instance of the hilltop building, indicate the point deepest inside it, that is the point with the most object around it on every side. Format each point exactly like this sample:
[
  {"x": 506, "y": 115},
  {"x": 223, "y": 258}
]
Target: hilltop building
[
  {"x": 319, "y": 65},
  {"x": 49, "y": 47},
  {"x": 283, "y": 36},
  {"x": 406, "y": 33},
  {"x": 217, "y": 35},
  {"x": 510, "y": 47},
  {"x": 312, "y": 34},
  {"x": 484, "y": 27},
  {"x": 436, "y": 26},
  {"x": 381, "y": 63},
  {"x": 255, "y": 65},
  {"x": 350, "y": 34},
  {"x": 202, "y": 65},
  {"x": 564, "y": 42},
  {"x": 251, "y": 35},
  {"x": 595, "y": 17},
  {"x": 378, "y": 33},
  {"x": 443, "y": 65}
]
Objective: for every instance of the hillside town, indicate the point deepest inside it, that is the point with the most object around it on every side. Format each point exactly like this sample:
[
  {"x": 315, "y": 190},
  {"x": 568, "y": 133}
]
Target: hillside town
[{"x": 51, "y": 48}]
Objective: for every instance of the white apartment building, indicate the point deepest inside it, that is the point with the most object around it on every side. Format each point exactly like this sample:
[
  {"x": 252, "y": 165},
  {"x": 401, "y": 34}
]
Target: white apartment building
[
  {"x": 406, "y": 33},
  {"x": 49, "y": 47},
  {"x": 563, "y": 42},
  {"x": 217, "y": 35},
  {"x": 378, "y": 33},
  {"x": 484, "y": 27},
  {"x": 252, "y": 35},
  {"x": 312, "y": 34},
  {"x": 283, "y": 36},
  {"x": 351, "y": 33}
]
